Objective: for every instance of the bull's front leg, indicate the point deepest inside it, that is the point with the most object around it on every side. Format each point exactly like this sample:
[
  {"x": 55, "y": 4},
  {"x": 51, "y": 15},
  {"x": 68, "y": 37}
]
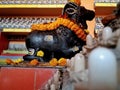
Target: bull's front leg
[
  {"x": 32, "y": 54},
  {"x": 71, "y": 51}
]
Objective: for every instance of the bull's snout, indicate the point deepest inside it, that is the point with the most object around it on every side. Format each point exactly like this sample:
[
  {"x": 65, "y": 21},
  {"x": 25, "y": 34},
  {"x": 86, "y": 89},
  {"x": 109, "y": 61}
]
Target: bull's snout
[{"x": 89, "y": 15}]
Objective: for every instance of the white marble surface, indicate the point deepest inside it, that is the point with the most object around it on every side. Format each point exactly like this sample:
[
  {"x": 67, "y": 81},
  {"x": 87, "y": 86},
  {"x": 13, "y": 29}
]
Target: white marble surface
[{"x": 102, "y": 66}]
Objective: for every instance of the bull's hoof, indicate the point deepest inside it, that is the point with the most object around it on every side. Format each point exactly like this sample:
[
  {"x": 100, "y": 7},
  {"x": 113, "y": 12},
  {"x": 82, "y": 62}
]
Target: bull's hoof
[{"x": 31, "y": 57}]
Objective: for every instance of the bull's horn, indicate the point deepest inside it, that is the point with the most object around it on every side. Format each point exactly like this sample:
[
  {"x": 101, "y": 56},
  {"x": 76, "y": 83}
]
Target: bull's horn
[{"x": 78, "y": 2}]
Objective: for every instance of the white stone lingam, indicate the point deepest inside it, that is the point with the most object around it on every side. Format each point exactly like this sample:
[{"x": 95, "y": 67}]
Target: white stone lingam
[
  {"x": 106, "y": 34},
  {"x": 102, "y": 70},
  {"x": 79, "y": 63},
  {"x": 118, "y": 45},
  {"x": 56, "y": 78},
  {"x": 89, "y": 41},
  {"x": 71, "y": 64},
  {"x": 52, "y": 87}
]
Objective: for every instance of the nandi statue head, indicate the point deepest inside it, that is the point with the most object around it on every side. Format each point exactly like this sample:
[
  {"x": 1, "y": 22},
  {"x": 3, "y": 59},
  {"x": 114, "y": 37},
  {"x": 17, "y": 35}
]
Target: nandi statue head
[{"x": 78, "y": 13}]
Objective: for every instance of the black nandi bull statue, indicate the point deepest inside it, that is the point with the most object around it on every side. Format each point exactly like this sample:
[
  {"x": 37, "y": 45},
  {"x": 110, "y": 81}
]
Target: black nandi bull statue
[{"x": 61, "y": 38}]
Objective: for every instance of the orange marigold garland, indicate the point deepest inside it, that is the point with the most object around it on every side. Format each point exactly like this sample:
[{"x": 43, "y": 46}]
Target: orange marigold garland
[
  {"x": 61, "y": 21},
  {"x": 53, "y": 62},
  {"x": 9, "y": 61},
  {"x": 62, "y": 62},
  {"x": 34, "y": 62}
]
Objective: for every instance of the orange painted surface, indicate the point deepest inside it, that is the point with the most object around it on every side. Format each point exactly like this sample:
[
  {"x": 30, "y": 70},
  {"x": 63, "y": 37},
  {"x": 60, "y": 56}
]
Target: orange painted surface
[
  {"x": 13, "y": 78},
  {"x": 89, "y": 4}
]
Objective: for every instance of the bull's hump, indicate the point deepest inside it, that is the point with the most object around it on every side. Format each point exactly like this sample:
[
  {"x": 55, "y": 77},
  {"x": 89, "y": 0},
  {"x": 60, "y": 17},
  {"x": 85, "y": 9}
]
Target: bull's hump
[{"x": 61, "y": 21}]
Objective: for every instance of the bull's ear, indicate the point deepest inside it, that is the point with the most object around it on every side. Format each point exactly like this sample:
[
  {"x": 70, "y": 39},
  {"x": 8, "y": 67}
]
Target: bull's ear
[
  {"x": 69, "y": 5},
  {"x": 70, "y": 11}
]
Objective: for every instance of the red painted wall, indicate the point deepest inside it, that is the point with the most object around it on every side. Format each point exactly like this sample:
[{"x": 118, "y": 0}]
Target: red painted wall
[
  {"x": 3, "y": 42},
  {"x": 14, "y": 78}
]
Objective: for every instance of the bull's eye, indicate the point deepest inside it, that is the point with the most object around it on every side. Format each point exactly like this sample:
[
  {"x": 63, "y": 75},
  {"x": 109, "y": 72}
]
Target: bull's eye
[{"x": 71, "y": 10}]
